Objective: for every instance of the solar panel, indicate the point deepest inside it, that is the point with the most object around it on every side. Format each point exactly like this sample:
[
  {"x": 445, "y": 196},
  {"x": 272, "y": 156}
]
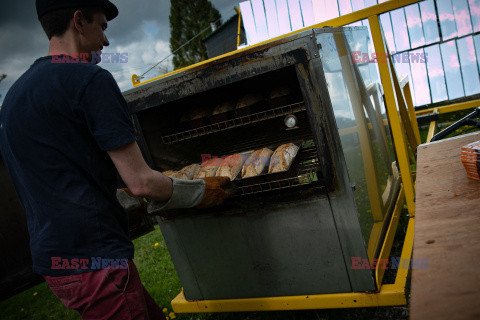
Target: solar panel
[
  {"x": 272, "y": 18},
  {"x": 283, "y": 16},
  {"x": 260, "y": 20},
  {"x": 295, "y": 14}
]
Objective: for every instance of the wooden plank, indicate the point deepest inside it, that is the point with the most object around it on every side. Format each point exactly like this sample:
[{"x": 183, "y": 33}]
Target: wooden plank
[{"x": 447, "y": 233}]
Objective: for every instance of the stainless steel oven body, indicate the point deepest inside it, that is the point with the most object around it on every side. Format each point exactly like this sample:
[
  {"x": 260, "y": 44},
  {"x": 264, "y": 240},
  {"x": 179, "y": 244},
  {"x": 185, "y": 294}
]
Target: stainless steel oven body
[{"x": 292, "y": 234}]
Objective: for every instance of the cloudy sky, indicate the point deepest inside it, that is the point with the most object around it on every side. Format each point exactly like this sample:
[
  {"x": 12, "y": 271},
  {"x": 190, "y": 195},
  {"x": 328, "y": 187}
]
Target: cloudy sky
[{"x": 141, "y": 30}]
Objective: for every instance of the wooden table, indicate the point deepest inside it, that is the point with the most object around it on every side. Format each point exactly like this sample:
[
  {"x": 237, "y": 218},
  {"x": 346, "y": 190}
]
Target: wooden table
[{"x": 447, "y": 233}]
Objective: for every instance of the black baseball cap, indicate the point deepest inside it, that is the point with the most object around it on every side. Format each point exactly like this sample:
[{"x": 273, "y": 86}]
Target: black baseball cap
[{"x": 46, "y": 6}]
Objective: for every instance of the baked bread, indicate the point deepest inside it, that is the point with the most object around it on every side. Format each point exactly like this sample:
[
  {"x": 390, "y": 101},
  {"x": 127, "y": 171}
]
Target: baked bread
[
  {"x": 231, "y": 166},
  {"x": 224, "y": 107},
  {"x": 188, "y": 172},
  {"x": 256, "y": 163},
  {"x": 249, "y": 99},
  {"x": 170, "y": 173},
  {"x": 207, "y": 169},
  {"x": 280, "y": 92},
  {"x": 200, "y": 112},
  {"x": 282, "y": 157}
]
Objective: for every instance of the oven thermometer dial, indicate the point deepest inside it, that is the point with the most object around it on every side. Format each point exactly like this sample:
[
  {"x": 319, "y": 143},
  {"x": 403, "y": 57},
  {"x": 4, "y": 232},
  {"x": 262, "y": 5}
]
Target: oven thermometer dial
[{"x": 291, "y": 121}]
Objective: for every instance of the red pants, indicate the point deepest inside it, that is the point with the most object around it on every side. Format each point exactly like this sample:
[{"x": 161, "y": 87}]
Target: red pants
[{"x": 106, "y": 294}]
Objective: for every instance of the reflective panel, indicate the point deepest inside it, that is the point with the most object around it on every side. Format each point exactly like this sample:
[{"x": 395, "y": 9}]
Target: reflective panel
[
  {"x": 364, "y": 135},
  {"x": 248, "y": 22},
  {"x": 475, "y": 14},
  {"x": 357, "y": 5},
  {"x": 436, "y": 75},
  {"x": 402, "y": 66},
  {"x": 451, "y": 67},
  {"x": 260, "y": 20},
  {"x": 462, "y": 17},
  {"x": 429, "y": 20},
  {"x": 468, "y": 63},
  {"x": 353, "y": 5},
  {"x": 307, "y": 12},
  {"x": 419, "y": 77},
  {"x": 476, "y": 41},
  {"x": 331, "y": 9},
  {"x": 414, "y": 23},
  {"x": 295, "y": 14},
  {"x": 345, "y": 6},
  {"x": 272, "y": 20},
  {"x": 319, "y": 10},
  {"x": 387, "y": 31},
  {"x": 447, "y": 19},
  {"x": 369, "y": 3},
  {"x": 402, "y": 41},
  {"x": 283, "y": 16}
]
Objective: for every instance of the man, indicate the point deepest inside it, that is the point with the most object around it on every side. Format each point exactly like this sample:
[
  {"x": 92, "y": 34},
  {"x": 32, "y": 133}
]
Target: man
[{"x": 64, "y": 134}]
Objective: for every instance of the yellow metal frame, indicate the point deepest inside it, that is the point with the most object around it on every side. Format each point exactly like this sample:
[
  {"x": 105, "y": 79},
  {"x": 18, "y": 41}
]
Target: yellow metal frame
[
  {"x": 451, "y": 107},
  {"x": 389, "y": 294},
  {"x": 239, "y": 28}
]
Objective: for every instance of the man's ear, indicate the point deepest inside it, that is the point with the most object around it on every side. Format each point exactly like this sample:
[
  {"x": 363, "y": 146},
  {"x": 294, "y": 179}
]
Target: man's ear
[{"x": 78, "y": 21}]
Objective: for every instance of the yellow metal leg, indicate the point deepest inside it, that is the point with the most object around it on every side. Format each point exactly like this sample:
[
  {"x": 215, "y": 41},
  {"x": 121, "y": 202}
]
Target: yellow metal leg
[
  {"x": 431, "y": 128},
  {"x": 388, "y": 242}
]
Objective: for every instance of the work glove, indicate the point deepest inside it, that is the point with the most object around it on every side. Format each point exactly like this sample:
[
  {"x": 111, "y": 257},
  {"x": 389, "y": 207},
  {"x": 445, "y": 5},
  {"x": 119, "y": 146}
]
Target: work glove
[
  {"x": 130, "y": 202},
  {"x": 199, "y": 193}
]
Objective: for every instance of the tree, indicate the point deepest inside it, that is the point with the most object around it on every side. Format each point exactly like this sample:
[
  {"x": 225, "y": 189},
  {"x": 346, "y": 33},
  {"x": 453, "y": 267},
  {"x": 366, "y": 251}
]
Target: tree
[
  {"x": 190, "y": 19},
  {"x": 3, "y": 76}
]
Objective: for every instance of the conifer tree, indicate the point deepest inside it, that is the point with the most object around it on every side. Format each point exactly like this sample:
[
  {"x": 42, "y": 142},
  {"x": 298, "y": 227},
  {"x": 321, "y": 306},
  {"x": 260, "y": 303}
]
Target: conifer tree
[
  {"x": 189, "y": 19},
  {"x": 3, "y": 76}
]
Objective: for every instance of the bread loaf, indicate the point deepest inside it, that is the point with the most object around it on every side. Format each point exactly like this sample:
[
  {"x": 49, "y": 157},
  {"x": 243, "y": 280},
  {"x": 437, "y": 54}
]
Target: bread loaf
[
  {"x": 170, "y": 173},
  {"x": 188, "y": 172},
  {"x": 256, "y": 163},
  {"x": 280, "y": 92},
  {"x": 231, "y": 166},
  {"x": 224, "y": 107},
  {"x": 207, "y": 168},
  {"x": 248, "y": 100},
  {"x": 200, "y": 112},
  {"x": 282, "y": 157}
]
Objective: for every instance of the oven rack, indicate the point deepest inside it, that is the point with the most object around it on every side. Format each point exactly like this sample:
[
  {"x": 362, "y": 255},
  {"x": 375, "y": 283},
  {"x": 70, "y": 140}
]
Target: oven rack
[
  {"x": 234, "y": 123},
  {"x": 306, "y": 173}
]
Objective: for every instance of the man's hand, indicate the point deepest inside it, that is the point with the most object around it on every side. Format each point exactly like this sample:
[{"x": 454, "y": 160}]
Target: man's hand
[{"x": 214, "y": 193}]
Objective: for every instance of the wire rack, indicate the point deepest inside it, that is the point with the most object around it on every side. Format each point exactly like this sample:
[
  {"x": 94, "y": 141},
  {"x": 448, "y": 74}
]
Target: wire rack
[
  {"x": 234, "y": 123},
  {"x": 305, "y": 173}
]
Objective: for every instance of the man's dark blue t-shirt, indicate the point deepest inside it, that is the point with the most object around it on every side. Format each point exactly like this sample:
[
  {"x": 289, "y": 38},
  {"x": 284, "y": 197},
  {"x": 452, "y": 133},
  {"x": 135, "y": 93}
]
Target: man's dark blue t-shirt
[{"x": 56, "y": 124}]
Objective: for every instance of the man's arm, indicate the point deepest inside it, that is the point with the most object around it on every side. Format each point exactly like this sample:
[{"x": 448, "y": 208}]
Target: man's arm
[
  {"x": 170, "y": 193},
  {"x": 138, "y": 176}
]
